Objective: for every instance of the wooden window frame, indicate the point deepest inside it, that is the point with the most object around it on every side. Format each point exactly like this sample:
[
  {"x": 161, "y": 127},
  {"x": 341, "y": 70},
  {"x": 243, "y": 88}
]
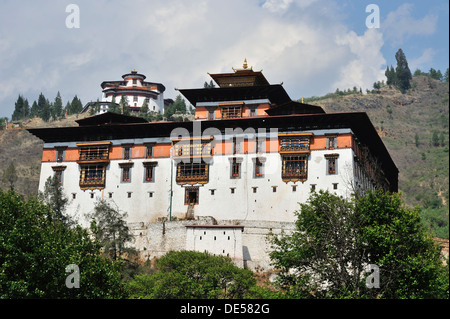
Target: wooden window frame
[{"x": 294, "y": 168}]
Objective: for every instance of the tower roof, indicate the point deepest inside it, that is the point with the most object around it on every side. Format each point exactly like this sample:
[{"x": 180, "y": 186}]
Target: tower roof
[{"x": 240, "y": 77}]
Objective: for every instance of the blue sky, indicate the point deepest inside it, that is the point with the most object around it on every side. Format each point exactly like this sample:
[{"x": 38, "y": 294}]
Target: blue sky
[{"x": 311, "y": 46}]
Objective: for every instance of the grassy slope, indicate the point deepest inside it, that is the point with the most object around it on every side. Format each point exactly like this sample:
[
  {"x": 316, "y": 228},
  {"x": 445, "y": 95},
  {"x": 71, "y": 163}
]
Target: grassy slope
[{"x": 424, "y": 169}]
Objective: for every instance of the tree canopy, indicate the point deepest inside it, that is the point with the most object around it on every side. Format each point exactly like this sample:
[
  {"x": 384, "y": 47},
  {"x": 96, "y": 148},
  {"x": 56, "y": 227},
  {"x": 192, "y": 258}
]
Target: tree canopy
[
  {"x": 336, "y": 239},
  {"x": 193, "y": 275},
  {"x": 35, "y": 250}
]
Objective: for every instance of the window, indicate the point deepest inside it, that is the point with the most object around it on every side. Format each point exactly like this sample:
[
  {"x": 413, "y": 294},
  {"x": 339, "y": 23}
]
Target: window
[
  {"x": 235, "y": 163},
  {"x": 92, "y": 175},
  {"x": 212, "y": 191},
  {"x": 90, "y": 153},
  {"x": 211, "y": 114},
  {"x": 294, "y": 144},
  {"x": 258, "y": 164},
  {"x": 149, "y": 171},
  {"x": 232, "y": 189},
  {"x": 313, "y": 187},
  {"x": 192, "y": 173},
  {"x": 259, "y": 145},
  {"x": 126, "y": 152},
  {"x": 92, "y": 195},
  {"x": 236, "y": 146},
  {"x": 134, "y": 81},
  {"x": 331, "y": 142},
  {"x": 331, "y": 166},
  {"x": 149, "y": 150},
  {"x": 254, "y": 189},
  {"x": 193, "y": 148},
  {"x": 110, "y": 195},
  {"x": 59, "y": 173},
  {"x": 252, "y": 112},
  {"x": 126, "y": 172},
  {"x": 294, "y": 168},
  {"x": 335, "y": 185},
  {"x": 135, "y": 98},
  {"x": 60, "y": 154},
  {"x": 294, "y": 188},
  {"x": 74, "y": 195},
  {"x": 331, "y": 163},
  {"x": 150, "y": 194},
  {"x": 129, "y": 194},
  {"x": 231, "y": 112},
  {"x": 274, "y": 189}
]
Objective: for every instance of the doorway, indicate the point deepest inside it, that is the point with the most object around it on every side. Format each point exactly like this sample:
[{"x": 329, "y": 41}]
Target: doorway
[{"x": 191, "y": 196}]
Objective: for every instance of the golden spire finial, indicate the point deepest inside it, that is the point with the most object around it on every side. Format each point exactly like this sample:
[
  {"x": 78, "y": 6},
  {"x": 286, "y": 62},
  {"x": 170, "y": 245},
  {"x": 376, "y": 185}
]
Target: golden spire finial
[
  {"x": 303, "y": 100},
  {"x": 245, "y": 64}
]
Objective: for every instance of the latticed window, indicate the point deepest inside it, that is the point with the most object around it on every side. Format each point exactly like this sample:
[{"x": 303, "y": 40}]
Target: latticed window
[
  {"x": 92, "y": 175},
  {"x": 192, "y": 173},
  {"x": 235, "y": 168},
  {"x": 231, "y": 112},
  {"x": 331, "y": 163},
  {"x": 294, "y": 144},
  {"x": 94, "y": 153},
  {"x": 294, "y": 168}
]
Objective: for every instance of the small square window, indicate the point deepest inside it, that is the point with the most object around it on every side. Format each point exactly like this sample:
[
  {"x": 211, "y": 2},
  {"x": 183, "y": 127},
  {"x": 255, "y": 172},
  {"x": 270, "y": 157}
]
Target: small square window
[
  {"x": 254, "y": 189},
  {"x": 212, "y": 191},
  {"x": 129, "y": 194},
  {"x": 294, "y": 188},
  {"x": 335, "y": 185},
  {"x": 313, "y": 187},
  {"x": 150, "y": 194},
  {"x": 74, "y": 195},
  {"x": 110, "y": 195},
  {"x": 274, "y": 189},
  {"x": 92, "y": 195},
  {"x": 232, "y": 190}
]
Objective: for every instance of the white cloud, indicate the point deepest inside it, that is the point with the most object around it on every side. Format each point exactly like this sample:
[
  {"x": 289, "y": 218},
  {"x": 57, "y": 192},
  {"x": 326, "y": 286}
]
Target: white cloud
[
  {"x": 422, "y": 61},
  {"x": 303, "y": 43},
  {"x": 400, "y": 25}
]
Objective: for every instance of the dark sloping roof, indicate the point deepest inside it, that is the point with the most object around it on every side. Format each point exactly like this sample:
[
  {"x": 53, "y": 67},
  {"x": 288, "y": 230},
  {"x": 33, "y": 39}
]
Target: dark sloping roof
[
  {"x": 275, "y": 93},
  {"x": 110, "y": 118},
  {"x": 294, "y": 107}
]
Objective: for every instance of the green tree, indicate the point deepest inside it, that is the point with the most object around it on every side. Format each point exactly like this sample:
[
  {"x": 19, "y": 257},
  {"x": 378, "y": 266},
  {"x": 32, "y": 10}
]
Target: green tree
[
  {"x": 36, "y": 249},
  {"x": 193, "y": 275},
  {"x": 57, "y": 107},
  {"x": 390, "y": 76},
  {"x": 110, "y": 229},
  {"x": 435, "y": 74},
  {"x": 335, "y": 239},
  {"x": 55, "y": 198},
  {"x": 178, "y": 107},
  {"x": 403, "y": 74},
  {"x": 445, "y": 77},
  {"x": 21, "y": 110},
  {"x": 10, "y": 175}
]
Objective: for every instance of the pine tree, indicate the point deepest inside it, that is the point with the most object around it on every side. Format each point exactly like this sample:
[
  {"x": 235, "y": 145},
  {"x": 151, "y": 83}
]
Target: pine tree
[
  {"x": 10, "y": 176},
  {"x": 403, "y": 74},
  {"x": 18, "y": 110},
  {"x": 57, "y": 109}
]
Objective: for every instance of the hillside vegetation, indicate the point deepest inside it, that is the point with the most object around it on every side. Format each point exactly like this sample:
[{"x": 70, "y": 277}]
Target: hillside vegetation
[{"x": 414, "y": 127}]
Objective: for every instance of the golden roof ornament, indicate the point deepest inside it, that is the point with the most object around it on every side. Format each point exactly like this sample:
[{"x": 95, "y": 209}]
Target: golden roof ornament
[{"x": 244, "y": 67}]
